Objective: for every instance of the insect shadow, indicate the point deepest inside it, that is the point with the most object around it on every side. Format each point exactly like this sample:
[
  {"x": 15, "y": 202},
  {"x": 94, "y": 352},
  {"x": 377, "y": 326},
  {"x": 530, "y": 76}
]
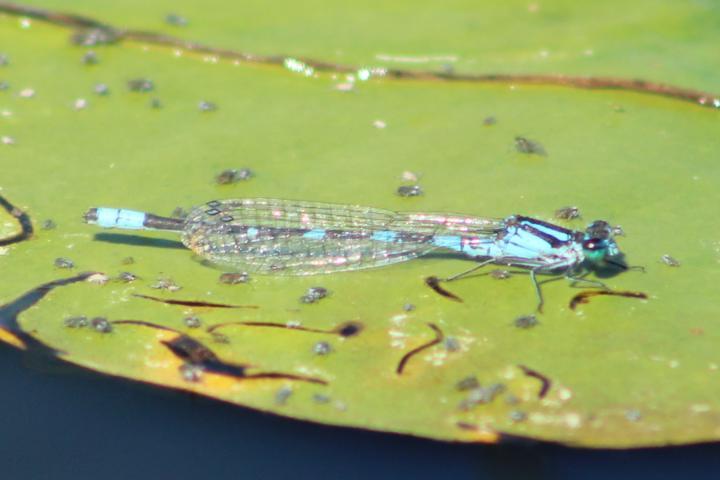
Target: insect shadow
[{"x": 137, "y": 240}]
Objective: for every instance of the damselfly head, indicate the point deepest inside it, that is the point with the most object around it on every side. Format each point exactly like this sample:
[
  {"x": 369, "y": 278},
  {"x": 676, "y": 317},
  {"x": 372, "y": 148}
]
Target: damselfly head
[{"x": 598, "y": 243}]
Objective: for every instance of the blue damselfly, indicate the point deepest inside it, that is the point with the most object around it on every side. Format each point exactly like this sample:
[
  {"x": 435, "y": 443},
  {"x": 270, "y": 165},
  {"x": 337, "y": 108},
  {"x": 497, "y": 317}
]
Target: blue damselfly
[{"x": 283, "y": 237}]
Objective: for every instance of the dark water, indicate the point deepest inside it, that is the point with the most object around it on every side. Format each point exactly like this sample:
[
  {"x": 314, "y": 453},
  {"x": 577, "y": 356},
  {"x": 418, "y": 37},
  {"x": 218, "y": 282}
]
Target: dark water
[{"x": 58, "y": 422}]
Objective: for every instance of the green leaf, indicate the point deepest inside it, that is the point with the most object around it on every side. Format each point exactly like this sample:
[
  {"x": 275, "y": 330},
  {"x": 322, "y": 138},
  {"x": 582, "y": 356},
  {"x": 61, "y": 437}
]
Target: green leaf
[{"x": 615, "y": 372}]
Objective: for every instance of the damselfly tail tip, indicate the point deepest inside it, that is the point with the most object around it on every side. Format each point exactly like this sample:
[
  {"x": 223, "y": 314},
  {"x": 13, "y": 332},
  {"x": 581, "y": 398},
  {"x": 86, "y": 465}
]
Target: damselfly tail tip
[{"x": 91, "y": 216}]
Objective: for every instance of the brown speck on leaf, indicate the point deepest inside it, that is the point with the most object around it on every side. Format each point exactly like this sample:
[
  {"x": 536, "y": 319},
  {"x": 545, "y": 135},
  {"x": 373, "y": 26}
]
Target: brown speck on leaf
[
  {"x": 192, "y": 321},
  {"x": 141, "y": 85},
  {"x": 529, "y": 147},
  {"x": 500, "y": 274},
  {"x": 670, "y": 261},
  {"x": 321, "y": 398},
  {"x": 62, "y": 262},
  {"x": 526, "y": 321},
  {"x": 48, "y": 224},
  {"x": 468, "y": 383},
  {"x": 101, "y": 324},
  {"x": 410, "y": 191},
  {"x": 76, "y": 322},
  {"x": 282, "y": 395},
  {"x": 322, "y": 348},
  {"x": 314, "y": 294},
  {"x": 166, "y": 284},
  {"x": 234, "y": 278},
  {"x": 191, "y": 372},
  {"x": 231, "y": 175},
  {"x": 567, "y": 213}
]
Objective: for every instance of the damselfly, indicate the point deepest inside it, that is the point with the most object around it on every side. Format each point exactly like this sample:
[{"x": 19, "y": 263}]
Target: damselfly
[{"x": 283, "y": 237}]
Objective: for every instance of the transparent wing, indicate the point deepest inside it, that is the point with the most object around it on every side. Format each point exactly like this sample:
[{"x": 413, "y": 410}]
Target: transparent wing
[
  {"x": 449, "y": 223},
  {"x": 286, "y": 237}
]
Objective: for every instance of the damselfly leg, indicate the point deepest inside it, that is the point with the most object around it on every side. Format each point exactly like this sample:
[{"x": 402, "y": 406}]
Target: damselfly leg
[
  {"x": 576, "y": 281},
  {"x": 464, "y": 274}
]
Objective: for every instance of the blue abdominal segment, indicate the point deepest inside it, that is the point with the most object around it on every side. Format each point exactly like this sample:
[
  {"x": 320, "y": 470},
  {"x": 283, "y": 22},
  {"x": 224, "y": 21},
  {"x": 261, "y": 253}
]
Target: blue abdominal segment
[
  {"x": 314, "y": 234},
  {"x": 120, "y": 218},
  {"x": 384, "y": 236}
]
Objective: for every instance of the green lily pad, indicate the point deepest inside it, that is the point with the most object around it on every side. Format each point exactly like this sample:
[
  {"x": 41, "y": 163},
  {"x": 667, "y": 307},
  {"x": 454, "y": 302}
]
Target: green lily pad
[{"x": 614, "y": 372}]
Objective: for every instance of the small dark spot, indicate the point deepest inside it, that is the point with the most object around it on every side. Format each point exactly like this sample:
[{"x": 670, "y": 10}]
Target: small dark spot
[
  {"x": 633, "y": 415},
  {"x": 488, "y": 121},
  {"x": 349, "y": 329},
  {"x": 500, "y": 274},
  {"x": 526, "y": 321},
  {"x": 192, "y": 321},
  {"x": 176, "y": 20},
  {"x": 214, "y": 203},
  {"x": 231, "y": 176},
  {"x": 4, "y": 85},
  {"x": 226, "y": 218},
  {"x": 452, "y": 344},
  {"x": 670, "y": 261},
  {"x": 62, "y": 262},
  {"x": 466, "y": 426},
  {"x": 234, "y": 278},
  {"x": 517, "y": 416},
  {"x": 141, "y": 85},
  {"x": 282, "y": 395},
  {"x": 155, "y": 103},
  {"x": 567, "y": 213},
  {"x": 322, "y": 348},
  {"x": 93, "y": 36},
  {"x": 408, "y": 307},
  {"x": 48, "y": 224},
  {"x": 321, "y": 398},
  {"x": 191, "y": 372},
  {"x": 101, "y": 324},
  {"x": 468, "y": 383},
  {"x": 481, "y": 395},
  {"x": 212, "y": 211},
  {"x": 76, "y": 322},
  {"x": 314, "y": 294},
  {"x": 127, "y": 277},
  {"x": 410, "y": 191},
  {"x": 90, "y": 58},
  {"x": 205, "y": 106},
  {"x": 166, "y": 284},
  {"x": 127, "y": 261},
  {"x": 101, "y": 89},
  {"x": 527, "y": 146},
  {"x": 4, "y": 60},
  {"x": 220, "y": 338}
]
